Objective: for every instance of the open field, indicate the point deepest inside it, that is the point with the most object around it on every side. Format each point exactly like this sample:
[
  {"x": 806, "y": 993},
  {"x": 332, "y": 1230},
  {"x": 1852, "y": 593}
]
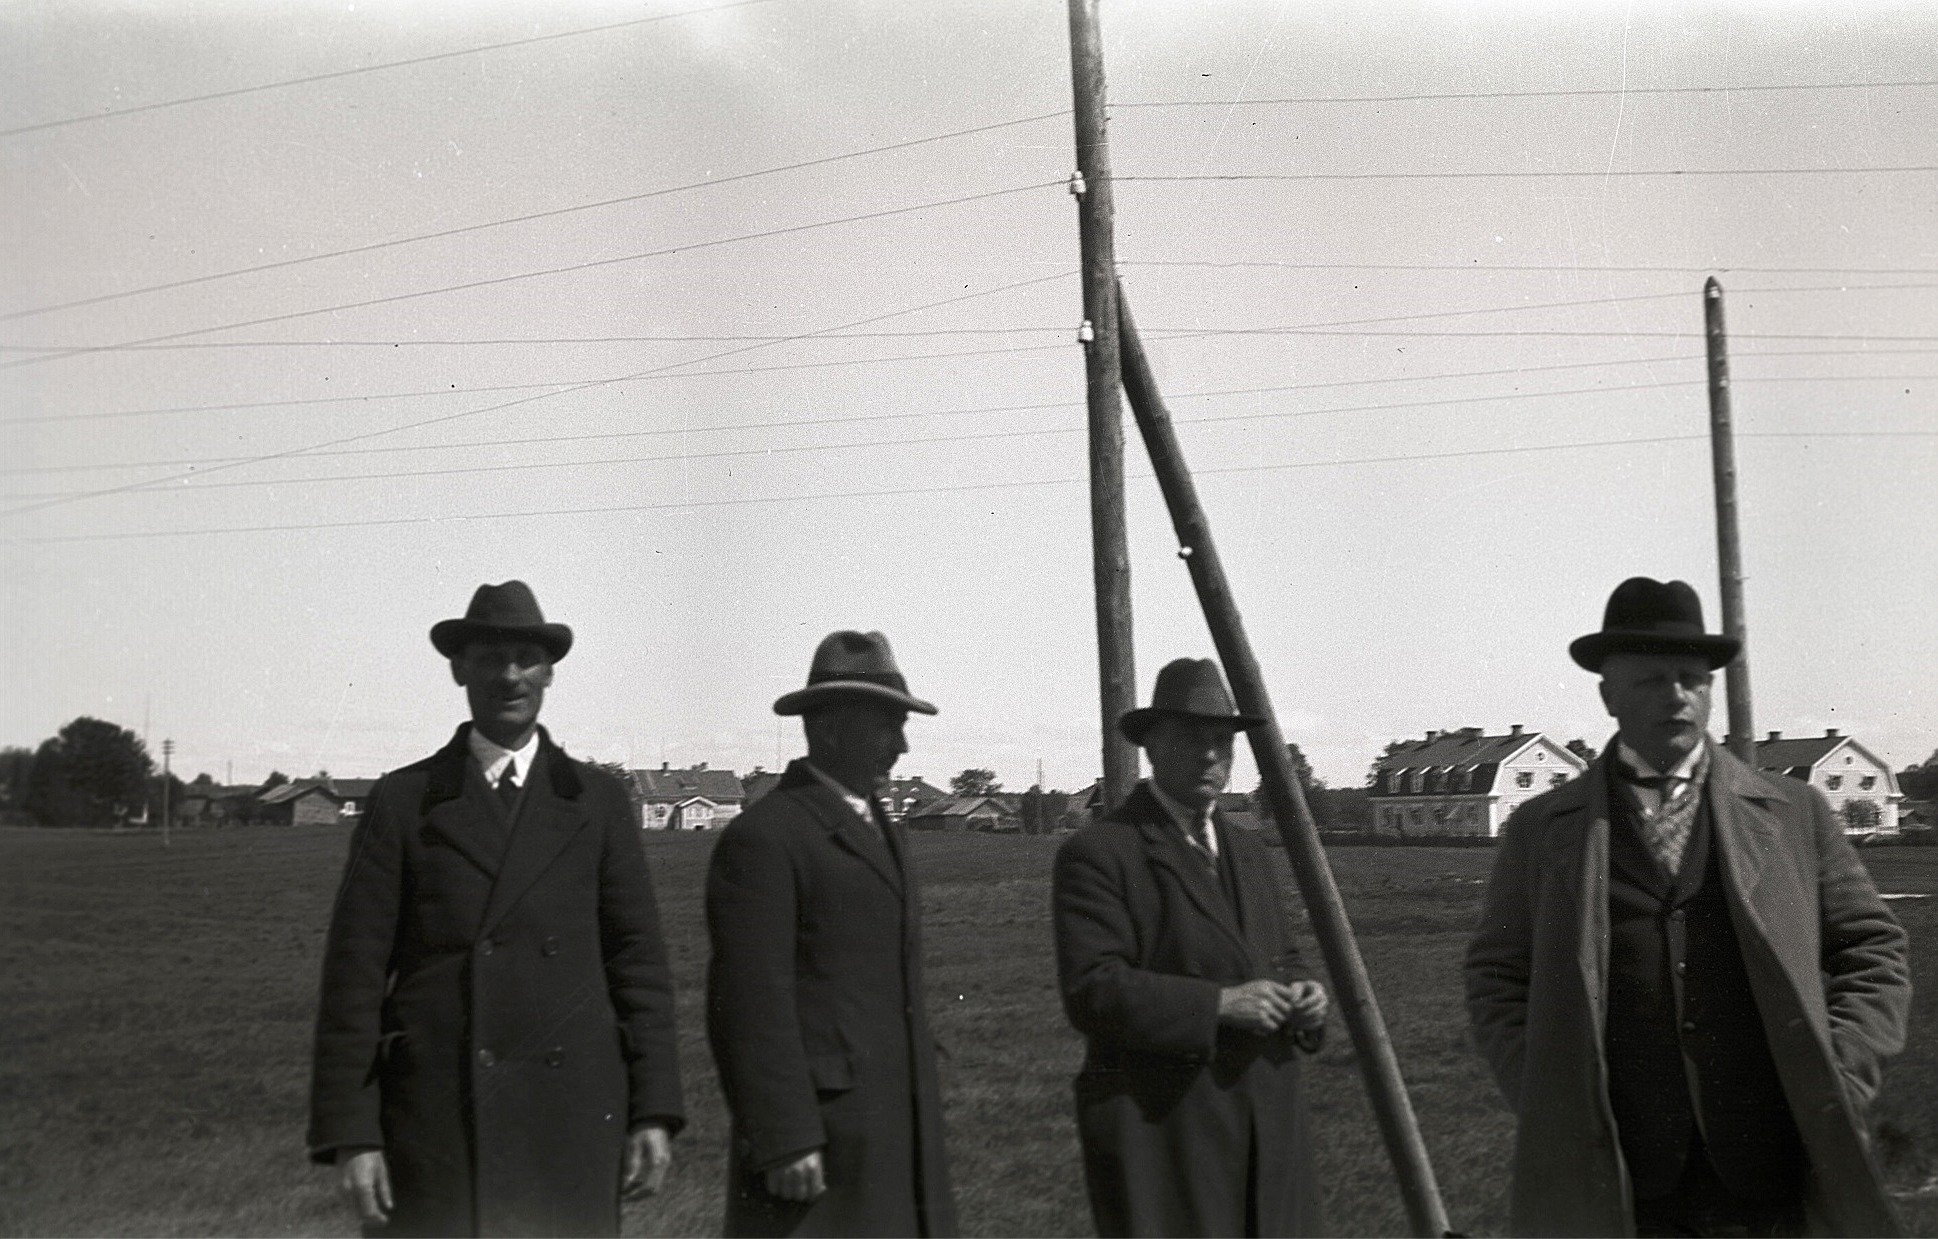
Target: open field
[{"x": 154, "y": 1047}]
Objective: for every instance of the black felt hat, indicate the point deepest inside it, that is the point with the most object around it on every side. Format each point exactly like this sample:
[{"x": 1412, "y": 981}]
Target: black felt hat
[
  {"x": 852, "y": 664},
  {"x": 1645, "y": 616},
  {"x": 1186, "y": 688},
  {"x": 505, "y": 612}
]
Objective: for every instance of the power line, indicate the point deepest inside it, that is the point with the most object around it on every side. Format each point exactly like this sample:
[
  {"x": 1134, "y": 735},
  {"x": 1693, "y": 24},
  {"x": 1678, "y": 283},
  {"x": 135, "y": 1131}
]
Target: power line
[
  {"x": 1623, "y": 91},
  {"x": 1598, "y": 174},
  {"x": 519, "y": 219},
  {"x": 393, "y": 64},
  {"x": 929, "y": 490},
  {"x": 454, "y": 390},
  {"x": 1545, "y": 268},
  {"x": 526, "y": 275},
  {"x": 522, "y": 400},
  {"x": 919, "y": 441}
]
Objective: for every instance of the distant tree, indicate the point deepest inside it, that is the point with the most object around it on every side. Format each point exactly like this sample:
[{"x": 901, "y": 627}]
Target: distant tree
[
  {"x": 1318, "y": 798},
  {"x": 1861, "y": 815},
  {"x": 975, "y": 781},
  {"x": 1350, "y": 808},
  {"x": 1033, "y": 811},
  {"x": 1920, "y": 782},
  {"x": 1392, "y": 747},
  {"x": 16, "y": 767},
  {"x": 1581, "y": 748},
  {"x": 92, "y": 773}
]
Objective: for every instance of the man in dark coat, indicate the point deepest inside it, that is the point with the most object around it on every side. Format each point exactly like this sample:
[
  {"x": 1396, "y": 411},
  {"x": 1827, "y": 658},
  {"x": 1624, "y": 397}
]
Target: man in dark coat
[
  {"x": 495, "y": 1050},
  {"x": 815, "y": 1007},
  {"x": 1178, "y": 966},
  {"x": 1683, "y": 979}
]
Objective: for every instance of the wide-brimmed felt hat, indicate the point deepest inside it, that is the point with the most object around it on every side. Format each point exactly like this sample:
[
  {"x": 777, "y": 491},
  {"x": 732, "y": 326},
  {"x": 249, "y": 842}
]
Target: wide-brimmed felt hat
[
  {"x": 852, "y": 664},
  {"x": 1186, "y": 688},
  {"x": 1646, "y": 616},
  {"x": 505, "y": 612}
]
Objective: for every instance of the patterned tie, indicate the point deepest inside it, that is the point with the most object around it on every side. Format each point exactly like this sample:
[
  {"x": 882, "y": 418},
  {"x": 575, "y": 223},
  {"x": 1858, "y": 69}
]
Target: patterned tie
[{"x": 1666, "y": 819}]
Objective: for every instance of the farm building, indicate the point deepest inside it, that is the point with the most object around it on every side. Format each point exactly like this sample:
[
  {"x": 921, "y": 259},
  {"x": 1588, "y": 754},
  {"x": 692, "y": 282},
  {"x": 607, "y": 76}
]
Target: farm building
[
  {"x": 303, "y": 802},
  {"x": 756, "y": 785},
  {"x": 698, "y": 798},
  {"x": 964, "y": 813},
  {"x": 1464, "y": 783},
  {"x": 1860, "y": 787},
  {"x": 900, "y": 797}
]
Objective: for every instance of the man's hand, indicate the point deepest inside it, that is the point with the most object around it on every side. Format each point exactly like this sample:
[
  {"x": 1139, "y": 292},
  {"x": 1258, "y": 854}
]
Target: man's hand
[
  {"x": 365, "y": 1179},
  {"x": 800, "y": 1180},
  {"x": 649, "y": 1152},
  {"x": 1256, "y": 1006},
  {"x": 1309, "y": 1006}
]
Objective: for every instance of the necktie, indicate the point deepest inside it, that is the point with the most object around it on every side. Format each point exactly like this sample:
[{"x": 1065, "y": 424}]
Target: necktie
[
  {"x": 507, "y": 790},
  {"x": 1667, "y": 816},
  {"x": 1199, "y": 834}
]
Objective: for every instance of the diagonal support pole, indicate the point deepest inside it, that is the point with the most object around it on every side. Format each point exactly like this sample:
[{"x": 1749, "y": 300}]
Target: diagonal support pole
[{"x": 1354, "y": 989}]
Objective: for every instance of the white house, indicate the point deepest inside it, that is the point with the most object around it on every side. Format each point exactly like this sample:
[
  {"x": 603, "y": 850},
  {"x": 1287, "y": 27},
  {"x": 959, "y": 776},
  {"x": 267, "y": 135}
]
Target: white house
[
  {"x": 1465, "y": 783},
  {"x": 694, "y": 799},
  {"x": 1860, "y": 787}
]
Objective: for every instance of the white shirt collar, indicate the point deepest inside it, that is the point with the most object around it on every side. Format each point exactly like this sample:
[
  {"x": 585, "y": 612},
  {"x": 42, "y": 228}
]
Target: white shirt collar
[
  {"x": 1684, "y": 769},
  {"x": 859, "y": 804},
  {"x": 1184, "y": 818},
  {"x": 495, "y": 757}
]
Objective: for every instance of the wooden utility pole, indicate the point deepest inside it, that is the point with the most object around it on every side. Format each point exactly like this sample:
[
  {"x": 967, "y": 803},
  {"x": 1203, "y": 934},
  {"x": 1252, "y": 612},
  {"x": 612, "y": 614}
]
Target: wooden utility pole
[
  {"x": 1378, "y": 1064},
  {"x": 1109, "y": 542},
  {"x": 168, "y": 752},
  {"x": 1729, "y": 549}
]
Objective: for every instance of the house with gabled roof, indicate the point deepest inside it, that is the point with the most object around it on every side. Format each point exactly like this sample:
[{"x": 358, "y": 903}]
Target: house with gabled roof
[
  {"x": 1464, "y": 782},
  {"x": 963, "y": 813},
  {"x": 696, "y": 798},
  {"x": 1862, "y": 789},
  {"x": 900, "y": 797}
]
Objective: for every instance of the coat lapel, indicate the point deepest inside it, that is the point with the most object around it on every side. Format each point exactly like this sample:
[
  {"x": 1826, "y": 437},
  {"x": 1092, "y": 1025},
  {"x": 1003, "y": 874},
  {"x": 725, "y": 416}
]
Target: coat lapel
[
  {"x": 451, "y": 815},
  {"x": 1166, "y": 849},
  {"x": 846, "y": 830},
  {"x": 1576, "y": 842},
  {"x": 1743, "y": 824},
  {"x": 548, "y": 817}
]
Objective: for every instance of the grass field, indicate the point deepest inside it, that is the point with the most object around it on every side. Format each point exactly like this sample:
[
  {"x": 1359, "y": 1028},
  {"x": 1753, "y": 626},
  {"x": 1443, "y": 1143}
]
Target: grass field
[{"x": 154, "y": 1046}]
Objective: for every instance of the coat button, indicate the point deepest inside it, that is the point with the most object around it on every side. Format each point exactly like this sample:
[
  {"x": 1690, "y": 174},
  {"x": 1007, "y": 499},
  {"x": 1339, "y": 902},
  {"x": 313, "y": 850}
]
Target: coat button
[
  {"x": 1676, "y": 915},
  {"x": 1689, "y": 1026},
  {"x": 551, "y": 947},
  {"x": 487, "y": 946},
  {"x": 554, "y": 1056},
  {"x": 487, "y": 1059}
]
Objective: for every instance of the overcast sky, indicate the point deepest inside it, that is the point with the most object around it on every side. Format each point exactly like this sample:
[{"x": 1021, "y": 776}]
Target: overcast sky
[{"x": 645, "y": 315}]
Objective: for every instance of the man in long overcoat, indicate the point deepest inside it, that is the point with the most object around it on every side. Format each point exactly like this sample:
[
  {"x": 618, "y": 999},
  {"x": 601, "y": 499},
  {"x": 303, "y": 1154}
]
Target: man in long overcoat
[
  {"x": 495, "y": 1050},
  {"x": 1683, "y": 979},
  {"x": 1178, "y": 965},
  {"x": 815, "y": 1007}
]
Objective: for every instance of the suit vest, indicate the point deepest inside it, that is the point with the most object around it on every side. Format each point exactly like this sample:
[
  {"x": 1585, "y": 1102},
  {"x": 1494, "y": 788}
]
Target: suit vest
[{"x": 1687, "y": 1055}]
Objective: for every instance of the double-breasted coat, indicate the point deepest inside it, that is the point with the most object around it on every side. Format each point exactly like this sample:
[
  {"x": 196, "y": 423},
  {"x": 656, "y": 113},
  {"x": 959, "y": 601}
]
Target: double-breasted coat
[
  {"x": 496, "y": 1006},
  {"x": 1826, "y": 962},
  {"x": 816, "y": 1016},
  {"x": 1187, "y": 1128}
]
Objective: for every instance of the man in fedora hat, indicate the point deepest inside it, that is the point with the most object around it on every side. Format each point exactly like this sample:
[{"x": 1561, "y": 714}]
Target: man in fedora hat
[
  {"x": 1683, "y": 980},
  {"x": 815, "y": 1008},
  {"x": 1178, "y": 965},
  {"x": 495, "y": 1050}
]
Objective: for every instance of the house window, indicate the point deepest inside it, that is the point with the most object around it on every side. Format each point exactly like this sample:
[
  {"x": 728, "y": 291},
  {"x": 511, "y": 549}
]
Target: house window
[
  {"x": 1557, "y": 779},
  {"x": 1833, "y": 781},
  {"x": 1419, "y": 779},
  {"x": 1867, "y": 782},
  {"x": 1524, "y": 779}
]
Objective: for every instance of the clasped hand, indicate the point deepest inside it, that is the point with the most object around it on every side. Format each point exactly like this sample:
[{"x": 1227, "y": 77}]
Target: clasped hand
[{"x": 1265, "y": 1006}]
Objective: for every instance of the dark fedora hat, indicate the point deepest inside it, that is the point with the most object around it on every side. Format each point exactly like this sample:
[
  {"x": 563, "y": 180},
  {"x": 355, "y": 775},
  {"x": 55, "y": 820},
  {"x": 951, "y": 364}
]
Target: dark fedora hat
[
  {"x": 851, "y": 664},
  {"x": 1645, "y": 616},
  {"x": 1186, "y": 688},
  {"x": 505, "y": 612}
]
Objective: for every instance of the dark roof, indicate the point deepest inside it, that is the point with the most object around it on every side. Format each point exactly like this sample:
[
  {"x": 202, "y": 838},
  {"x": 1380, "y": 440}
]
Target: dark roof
[
  {"x": 916, "y": 786},
  {"x": 353, "y": 789},
  {"x": 285, "y": 792},
  {"x": 719, "y": 786},
  {"x": 759, "y": 783},
  {"x": 1466, "y": 747},
  {"x": 966, "y": 806},
  {"x": 1784, "y": 756}
]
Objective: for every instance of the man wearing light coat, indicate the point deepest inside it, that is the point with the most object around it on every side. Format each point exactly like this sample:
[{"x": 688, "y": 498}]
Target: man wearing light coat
[{"x": 1684, "y": 980}]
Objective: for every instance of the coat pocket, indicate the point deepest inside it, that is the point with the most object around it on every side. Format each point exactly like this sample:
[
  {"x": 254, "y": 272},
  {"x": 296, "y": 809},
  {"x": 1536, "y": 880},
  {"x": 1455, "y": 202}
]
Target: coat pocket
[{"x": 831, "y": 1073}]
